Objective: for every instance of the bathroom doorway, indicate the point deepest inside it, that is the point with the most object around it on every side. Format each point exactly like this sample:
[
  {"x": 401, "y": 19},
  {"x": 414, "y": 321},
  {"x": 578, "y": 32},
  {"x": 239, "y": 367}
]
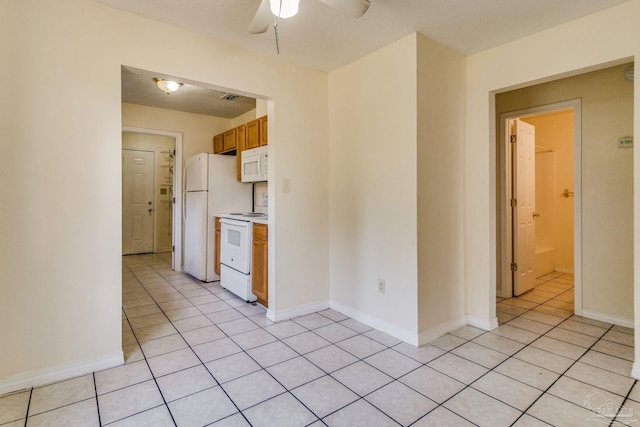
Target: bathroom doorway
[{"x": 539, "y": 231}]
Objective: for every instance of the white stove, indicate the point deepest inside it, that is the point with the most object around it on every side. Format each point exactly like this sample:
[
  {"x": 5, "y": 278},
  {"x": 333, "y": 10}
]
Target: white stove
[
  {"x": 245, "y": 216},
  {"x": 236, "y": 232}
]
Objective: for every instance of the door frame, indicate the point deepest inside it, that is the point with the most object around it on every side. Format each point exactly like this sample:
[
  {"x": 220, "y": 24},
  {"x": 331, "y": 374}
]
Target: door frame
[
  {"x": 504, "y": 287},
  {"x": 176, "y": 258}
]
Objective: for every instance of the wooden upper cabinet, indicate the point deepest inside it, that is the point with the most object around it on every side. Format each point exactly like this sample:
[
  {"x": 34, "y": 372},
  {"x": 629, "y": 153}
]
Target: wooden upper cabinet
[
  {"x": 249, "y": 135},
  {"x": 263, "y": 124},
  {"x": 253, "y": 134},
  {"x": 257, "y": 133},
  {"x": 241, "y": 140},
  {"x": 226, "y": 142},
  {"x": 218, "y": 143},
  {"x": 229, "y": 140}
]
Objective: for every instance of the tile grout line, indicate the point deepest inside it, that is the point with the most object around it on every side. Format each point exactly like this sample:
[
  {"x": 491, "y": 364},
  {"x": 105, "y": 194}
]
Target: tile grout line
[
  {"x": 623, "y": 402},
  {"x": 386, "y": 347},
  {"x": 207, "y": 368},
  {"x": 95, "y": 389},
  {"x": 509, "y": 357},
  {"x": 26, "y": 416},
  {"x": 561, "y": 376},
  {"x": 145, "y": 356},
  {"x": 332, "y": 343},
  {"x": 299, "y": 355}
]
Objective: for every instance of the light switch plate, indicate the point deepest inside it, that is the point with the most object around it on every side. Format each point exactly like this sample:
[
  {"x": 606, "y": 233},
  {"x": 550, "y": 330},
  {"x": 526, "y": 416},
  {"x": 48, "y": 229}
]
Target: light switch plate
[
  {"x": 625, "y": 142},
  {"x": 286, "y": 185}
]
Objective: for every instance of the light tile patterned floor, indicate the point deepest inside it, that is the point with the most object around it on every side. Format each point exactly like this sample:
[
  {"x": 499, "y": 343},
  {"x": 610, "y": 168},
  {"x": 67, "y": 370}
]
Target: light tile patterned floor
[{"x": 196, "y": 355}]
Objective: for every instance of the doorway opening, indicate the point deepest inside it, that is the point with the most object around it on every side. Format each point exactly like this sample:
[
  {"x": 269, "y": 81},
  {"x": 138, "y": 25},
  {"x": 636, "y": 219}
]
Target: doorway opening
[
  {"x": 151, "y": 206},
  {"x": 540, "y": 208}
]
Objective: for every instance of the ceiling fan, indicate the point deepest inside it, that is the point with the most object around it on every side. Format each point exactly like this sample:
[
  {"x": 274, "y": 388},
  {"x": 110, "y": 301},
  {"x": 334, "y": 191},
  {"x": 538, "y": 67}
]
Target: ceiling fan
[{"x": 270, "y": 10}]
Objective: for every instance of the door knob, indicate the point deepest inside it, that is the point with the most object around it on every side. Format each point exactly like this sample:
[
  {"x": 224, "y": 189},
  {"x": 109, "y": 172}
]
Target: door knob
[
  {"x": 536, "y": 214},
  {"x": 150, "y": 210}
]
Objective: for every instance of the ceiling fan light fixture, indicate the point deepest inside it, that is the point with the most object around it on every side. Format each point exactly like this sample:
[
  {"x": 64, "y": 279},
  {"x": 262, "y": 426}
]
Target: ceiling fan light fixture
[
  {"x": 167, "y": 86},
  {"x": 284, "y": 8}
]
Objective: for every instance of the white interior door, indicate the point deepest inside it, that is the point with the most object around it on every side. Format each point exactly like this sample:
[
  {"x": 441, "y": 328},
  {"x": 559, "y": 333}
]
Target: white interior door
[
  {"x": 523, "y": 205},
  {"x": 138, "y": 169}
]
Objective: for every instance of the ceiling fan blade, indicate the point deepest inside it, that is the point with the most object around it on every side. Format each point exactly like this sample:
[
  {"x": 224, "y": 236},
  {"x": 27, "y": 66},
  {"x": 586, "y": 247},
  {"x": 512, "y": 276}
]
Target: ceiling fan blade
[
  {"x": 355, "y": 8},
  {"x": 263, "y": 18}
]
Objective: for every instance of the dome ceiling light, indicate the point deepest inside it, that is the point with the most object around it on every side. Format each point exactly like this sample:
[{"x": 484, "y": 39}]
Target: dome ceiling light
[{"x": 168, "y": 86}]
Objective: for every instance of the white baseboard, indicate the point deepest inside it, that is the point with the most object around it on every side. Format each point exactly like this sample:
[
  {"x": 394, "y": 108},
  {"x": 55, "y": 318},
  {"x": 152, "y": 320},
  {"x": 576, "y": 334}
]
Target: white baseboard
[
  {"x": 439, "y": 330},
  {"x": 635, "y": 371},
  {"x": 300, "y": 310},
  {"x": 485, "y": 324},
  {"x": 377, "y": 323},
  {"x": 61, "y": 372},
  {"x": 608, "y": 318},
  {"x": 444, "y": 328}
]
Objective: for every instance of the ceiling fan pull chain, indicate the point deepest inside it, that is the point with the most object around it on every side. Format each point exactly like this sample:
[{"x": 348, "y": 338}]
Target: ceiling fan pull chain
[{"x": 277, "y": 34}]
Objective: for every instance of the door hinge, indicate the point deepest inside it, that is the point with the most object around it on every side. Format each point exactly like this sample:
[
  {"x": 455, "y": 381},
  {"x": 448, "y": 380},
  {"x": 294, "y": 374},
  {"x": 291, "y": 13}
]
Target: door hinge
[
  {"x": 514, "y": 266},
  {"x": 173, "y": 248},
  {"x": 514, "y": 203},
  {"x": 513, "y": 138},
  {"x": 174, "y": 200}
]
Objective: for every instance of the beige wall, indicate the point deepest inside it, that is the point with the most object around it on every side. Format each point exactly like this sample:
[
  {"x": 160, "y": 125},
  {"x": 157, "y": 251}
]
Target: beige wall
[
  {"x": 531, "y": 60},
  {"x": 197, "y": 129},
  {"x": 607, "y": 177},
  {"x": 243, "y": 118},
  {"x": 373, "y": 177},
  {"x": 66, "y": 107},
  {"x": 440, "y": 188},
  {"x": 61, "y": 286},
  {"x": 390, "y": 218}
]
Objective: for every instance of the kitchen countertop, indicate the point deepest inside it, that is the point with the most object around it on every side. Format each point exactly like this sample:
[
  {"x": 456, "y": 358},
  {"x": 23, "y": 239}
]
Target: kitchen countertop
[{"x": 249, "y": 217}]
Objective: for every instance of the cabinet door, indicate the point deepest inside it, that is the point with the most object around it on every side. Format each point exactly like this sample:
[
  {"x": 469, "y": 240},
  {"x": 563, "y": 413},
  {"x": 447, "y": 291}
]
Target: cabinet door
[
  {"x": 263, "y": 124},
  {"x": 229, "y": 140},
  {"x": 253, "y": 134},
  {"x": 216, "y": 264},
  {"x": 241, "y": 137},
  {"x": 218, "y": 143},
  {"x": 259, "y": 264}
]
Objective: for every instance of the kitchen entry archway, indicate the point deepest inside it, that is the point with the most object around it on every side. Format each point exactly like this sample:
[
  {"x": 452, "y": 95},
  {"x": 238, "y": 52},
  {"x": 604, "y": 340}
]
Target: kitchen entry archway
[
  {"x": 175, "y": 189},
  {"x": 507, "y": 255}
]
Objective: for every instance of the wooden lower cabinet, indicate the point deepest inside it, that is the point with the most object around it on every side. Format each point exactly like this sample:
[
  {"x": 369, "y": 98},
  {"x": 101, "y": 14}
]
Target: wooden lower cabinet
[
  {"x": 216, "y": 264},
  {"x": 259, "y": 264}
]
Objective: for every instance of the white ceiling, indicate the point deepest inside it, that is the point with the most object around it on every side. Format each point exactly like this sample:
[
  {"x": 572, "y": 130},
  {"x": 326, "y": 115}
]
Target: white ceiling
[{"x": 320, "y": 37}]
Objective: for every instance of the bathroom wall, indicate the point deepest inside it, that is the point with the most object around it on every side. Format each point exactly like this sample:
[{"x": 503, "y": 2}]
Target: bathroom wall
[{"x": 554, "y": 173}]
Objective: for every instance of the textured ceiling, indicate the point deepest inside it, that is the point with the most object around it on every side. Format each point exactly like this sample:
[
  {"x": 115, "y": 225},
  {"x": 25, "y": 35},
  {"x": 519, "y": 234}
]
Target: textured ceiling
[
  {"x": 322, "y": 38},
  {"x": 139, "y": 87}
]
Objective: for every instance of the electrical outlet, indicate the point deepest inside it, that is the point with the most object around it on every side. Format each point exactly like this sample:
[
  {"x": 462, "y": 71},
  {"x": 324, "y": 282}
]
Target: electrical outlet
[{"x": 381, "y": 286}]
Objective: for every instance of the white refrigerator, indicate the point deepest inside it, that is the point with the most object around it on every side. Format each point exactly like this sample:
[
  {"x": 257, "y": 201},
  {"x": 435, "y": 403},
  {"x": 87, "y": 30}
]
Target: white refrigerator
[{"x": 211, "y": 187}]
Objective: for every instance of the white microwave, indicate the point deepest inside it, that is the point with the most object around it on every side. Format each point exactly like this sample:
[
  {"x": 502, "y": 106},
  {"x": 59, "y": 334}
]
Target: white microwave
[{"x": 254, "y": 164}]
